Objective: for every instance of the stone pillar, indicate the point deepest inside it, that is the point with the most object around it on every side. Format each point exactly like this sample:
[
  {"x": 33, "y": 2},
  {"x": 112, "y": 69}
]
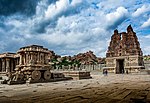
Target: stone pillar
[
  {"x": 41, "y": 57},
  {"x": 46, "y": 58},
  {"x": 24, "y": 60},
  {"x": 20, "y": 61},
  {"x": 62, "y": 67},
  {"x": 3, "y": 65},
  {"x": 84, "y": 67},
  {"x": 0, "y": 65},
  {"x": 31, "y": 56},
  {"x": 12, "y": 65},
  {"x": 69, "y": 67},
  {"x": 56, "y": 67},
  {"x": 38, "y": 57},
  {"x": 27, "y": 58},
  {"x": 7, "y": 65},
  {"x": 76, "y": 67},
  {"x": 17, "y": 61}
]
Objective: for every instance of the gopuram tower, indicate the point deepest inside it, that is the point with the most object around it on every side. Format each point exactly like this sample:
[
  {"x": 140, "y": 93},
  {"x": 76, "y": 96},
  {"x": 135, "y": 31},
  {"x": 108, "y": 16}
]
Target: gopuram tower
[{"x": 124, "y": 53}]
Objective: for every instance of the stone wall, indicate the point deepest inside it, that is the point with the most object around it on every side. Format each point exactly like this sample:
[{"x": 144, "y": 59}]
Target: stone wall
[
  {"x": 98, "y": 67},
  {"x": 147, "y": 65},
  {"x": 83, "y": 67}
]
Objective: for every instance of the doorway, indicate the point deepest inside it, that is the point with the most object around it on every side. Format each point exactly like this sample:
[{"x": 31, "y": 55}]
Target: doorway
[{"x": 120, "y": 66}]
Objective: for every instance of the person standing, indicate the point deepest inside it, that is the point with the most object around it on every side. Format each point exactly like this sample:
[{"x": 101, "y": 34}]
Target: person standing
[{"x": 106, "y": 72}]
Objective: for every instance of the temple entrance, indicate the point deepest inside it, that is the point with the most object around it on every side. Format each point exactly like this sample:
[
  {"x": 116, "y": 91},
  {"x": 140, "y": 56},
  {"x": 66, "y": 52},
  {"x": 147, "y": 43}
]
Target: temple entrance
[{"x": 120, "y": 66}]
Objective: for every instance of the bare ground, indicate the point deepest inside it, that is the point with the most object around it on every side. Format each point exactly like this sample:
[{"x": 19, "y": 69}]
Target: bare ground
[{"x": 121, "y": 88}]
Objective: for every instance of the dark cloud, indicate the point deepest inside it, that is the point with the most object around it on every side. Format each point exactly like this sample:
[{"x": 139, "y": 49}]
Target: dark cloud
[
  {"x": 52, "y": 21},
  {"x": 66, "y": 27},
  {"x": 9, "y": 7},
  {"x": 116, "y": 23},
  {"x": 52, "y": 1}
]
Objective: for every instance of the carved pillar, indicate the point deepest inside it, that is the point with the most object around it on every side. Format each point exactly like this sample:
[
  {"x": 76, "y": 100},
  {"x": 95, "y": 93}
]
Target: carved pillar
[
  {"x": 31, "y": 56},
  {"x": 27, "y": 58},
  {"x": 0, "y": 65},
  {"x": 69, "y": 67},
  {"x": 3, "y": 65},
  {"x": 46, "y": 58},
  {"x": 20, "y": 62},
  {"x": 36, "y": 58},
  {"x": 7, "y": 65},
  {"x": 12, "y": 65},
  {"x": 39, "y": 57},
  {"x": 17, "y": 61},
  {"x": 23, "y": 59}
]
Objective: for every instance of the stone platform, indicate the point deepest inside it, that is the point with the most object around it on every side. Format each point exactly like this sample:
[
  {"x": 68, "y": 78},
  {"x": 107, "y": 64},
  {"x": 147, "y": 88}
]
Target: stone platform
[
  {"x": 77, "y": 75},
  {"x": 56, "y": 76}
]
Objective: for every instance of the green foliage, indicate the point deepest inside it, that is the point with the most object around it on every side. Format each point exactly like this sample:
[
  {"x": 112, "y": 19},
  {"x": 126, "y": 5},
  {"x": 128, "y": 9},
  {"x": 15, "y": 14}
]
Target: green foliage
[
  {"x": 65, "y": 62},
  {"x": 54, "y": 60},
  {"x": 146, "y": 58}
]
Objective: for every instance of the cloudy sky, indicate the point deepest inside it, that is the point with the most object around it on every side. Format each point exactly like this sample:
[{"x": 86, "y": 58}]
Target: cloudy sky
[{"x": 71, "y": 26}]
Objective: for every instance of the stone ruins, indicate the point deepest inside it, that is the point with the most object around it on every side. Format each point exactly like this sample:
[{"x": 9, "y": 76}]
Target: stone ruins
[
  {"x": 35, "y": 63},
  {"x": 88, "y": 58},
  {"x": 32, "y": 64},
  {"x": 124, "y": 53},
  {"x": 8, "y": 62}
]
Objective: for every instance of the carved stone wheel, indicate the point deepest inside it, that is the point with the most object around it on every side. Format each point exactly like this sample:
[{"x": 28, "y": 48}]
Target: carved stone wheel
[
  {"x": 47, "y": 75},
  {"x": 36, "y": 75}
]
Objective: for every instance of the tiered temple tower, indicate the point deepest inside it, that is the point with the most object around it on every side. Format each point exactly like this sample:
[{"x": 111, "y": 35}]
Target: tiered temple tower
[{"x": 124, "y": 52}]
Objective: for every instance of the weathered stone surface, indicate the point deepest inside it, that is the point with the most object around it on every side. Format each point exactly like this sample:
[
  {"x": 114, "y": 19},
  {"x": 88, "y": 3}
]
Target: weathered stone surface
[
  {"x": 111, "y": 89},
  {"x": 124, "y": 44},
  {"x": 76, "y": 75},
  {"x": 88, "y": 58},
  {"x": 124, "y": 53},
  {"x": 29, "y": 64}
]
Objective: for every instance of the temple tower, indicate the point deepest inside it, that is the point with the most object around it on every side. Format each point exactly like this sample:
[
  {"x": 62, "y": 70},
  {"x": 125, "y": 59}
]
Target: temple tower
[{"x": 124, "y": 52}]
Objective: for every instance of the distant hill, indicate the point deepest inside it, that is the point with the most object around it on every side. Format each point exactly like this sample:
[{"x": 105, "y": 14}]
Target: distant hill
[{"x": 87, "y": 58}]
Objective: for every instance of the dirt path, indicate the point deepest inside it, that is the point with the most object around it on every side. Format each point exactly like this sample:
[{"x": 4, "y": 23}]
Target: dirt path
[{"x": 100, "y": 89}]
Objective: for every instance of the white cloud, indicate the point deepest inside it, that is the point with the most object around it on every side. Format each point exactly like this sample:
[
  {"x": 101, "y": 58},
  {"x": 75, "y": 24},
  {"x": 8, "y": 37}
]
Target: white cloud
[
  {"x": 115, "y": 18},
  {"x": 146, "y": 24},
  {"x": 142, "y": 10},
  {"x": 75, "y": 2},
  {"x": 146, "y": 49},
  {"x": 144, "y": 41},
  {"x": 70, "y": 26},
  {"x": 109, "y": 5},
  {"x": 148, "y": 36},
  {"x": 54, "y": 10},
  {"x": 78, "y": 33}
]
